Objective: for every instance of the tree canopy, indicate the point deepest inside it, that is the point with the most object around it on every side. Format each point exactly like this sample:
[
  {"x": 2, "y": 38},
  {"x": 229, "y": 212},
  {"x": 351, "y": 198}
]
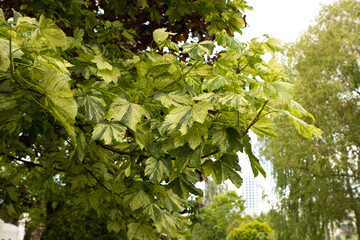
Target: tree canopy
[
  {"x": 251, "y": 231},
  {"x": 318, "y": 180},
  {"x": 215, "y": 218},
  {"x": 111, "y": 111}
]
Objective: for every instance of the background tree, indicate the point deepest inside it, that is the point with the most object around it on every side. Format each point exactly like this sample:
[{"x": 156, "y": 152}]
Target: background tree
[
  {"x": 251, "y": 231},
  {"x": 104, "y": 108},
  {"x": 318, "y": 180},
  {"x": 215, "y": 218},
  {"x": 263, "y": 218}
]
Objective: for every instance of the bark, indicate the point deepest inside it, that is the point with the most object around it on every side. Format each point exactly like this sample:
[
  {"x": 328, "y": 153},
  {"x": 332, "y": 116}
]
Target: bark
[
  {"x": 326, "y": 232},
  {"x": 357, "y": 223}
]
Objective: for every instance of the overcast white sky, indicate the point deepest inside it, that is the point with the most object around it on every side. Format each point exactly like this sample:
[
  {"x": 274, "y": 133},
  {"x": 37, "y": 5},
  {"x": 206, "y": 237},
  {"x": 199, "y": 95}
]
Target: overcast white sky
[{"x": 281, "y": 19}]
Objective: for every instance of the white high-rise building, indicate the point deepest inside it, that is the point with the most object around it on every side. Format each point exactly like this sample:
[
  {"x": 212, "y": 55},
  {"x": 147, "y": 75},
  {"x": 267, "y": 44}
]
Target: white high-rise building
[{"x": 257, "y": 192}]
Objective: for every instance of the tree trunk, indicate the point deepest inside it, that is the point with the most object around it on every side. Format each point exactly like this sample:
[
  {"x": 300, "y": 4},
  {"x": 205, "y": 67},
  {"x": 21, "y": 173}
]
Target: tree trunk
[
  {"x": 326, "y": 232},
  {"x": 308, "y": 233},
  {"x": 357, "y": 223}
]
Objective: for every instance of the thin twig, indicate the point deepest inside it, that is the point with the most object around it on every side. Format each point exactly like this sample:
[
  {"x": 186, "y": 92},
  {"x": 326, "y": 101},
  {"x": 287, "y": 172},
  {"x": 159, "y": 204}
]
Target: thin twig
[
  {"x": 208, "y": 155},
  {"x": 256, "y": 118},
  {"x": 115, "y": 150},
  {"x": 168, "y": 85},
  {"x": 98, "y": 180}
]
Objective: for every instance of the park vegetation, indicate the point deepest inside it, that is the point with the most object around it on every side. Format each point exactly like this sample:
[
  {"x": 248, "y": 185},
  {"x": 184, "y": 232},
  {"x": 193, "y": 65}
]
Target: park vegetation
[{"x": 318, "y": 180}]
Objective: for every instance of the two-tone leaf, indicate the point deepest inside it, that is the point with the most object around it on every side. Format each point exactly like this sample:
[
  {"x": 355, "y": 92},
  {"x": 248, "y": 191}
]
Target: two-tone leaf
[
  {"x": 156, "y": 169},
  {"x": 128, "y": 113},
  {"x": 182, "y": 118},
  {"x": 109, "y": 132},
  {"x": 59, "y": 99}
]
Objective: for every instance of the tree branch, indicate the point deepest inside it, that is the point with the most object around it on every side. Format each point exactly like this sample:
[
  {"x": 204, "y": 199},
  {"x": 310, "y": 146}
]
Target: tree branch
[
  {"x": 30, "y": 164},
  {"x": 98, "y": 180},
  {"x": 212, "y": 153},
  {"x": 115, "y": 150},
  {"x": 255, "y": 119},
  {"x": 168, "y": 85}
]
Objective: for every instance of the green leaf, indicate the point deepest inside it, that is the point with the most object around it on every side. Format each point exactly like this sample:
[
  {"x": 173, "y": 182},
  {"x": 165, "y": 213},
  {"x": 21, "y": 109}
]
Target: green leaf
[
  {"x": 200, "y": 111},
  {"x": 227, "y": 140},
  {"x": 109, "y": 75},
  {"x": 182, "y": 157},
  {"x": 285, "y": 91},
  {"x": 198, "y": 50},
  {"x": 166, "y": 223},
  {"x": 234, "y": 101},
  {"x": 273, "y": 45},
  {"x": 224, "y": 168},
  {"x": 143, "y": 137},
  {"x": 302, "y": 127},
  {"x": 297, "y": 110},
  {"x": 57, "y": 62},
  {"x": 5, "y": 53},
  {"x": 101, "y": 63},
  {"x": 114, "y": 226},
  {"x": 128, "y": 113},
  {"x": 254, "y": 162},
  {"x": 227, "y": 41},
  {"x": 216, "y": 26},
  {"x": 194, "y": 136},
  {"x": 2, "y": 18},
  {"x": 155, "y": 15},
  {"x": 109, "y": 132},
  {"x": 236, "y": 23},
  {"x": 182, "y": 118},
  {"x": 161, "y": 35},
  {"x": 215, "y": 83},
  {"x": 173, "y": 202},
  {"x": 172, "y": 45},
  {"x": 144, "y": 4},
  {"x": 175, "y": 99},
  {"x": 138, "y": 199},
  {"x": 52, "y": 33},
  {"x": 4, "y": 57},
  {"x": 141, "y": 231},
  {"x": 59, "y": 99},
  {"x": 183, "y": 187},
  {"x": 94, "y": 105},
  {"x": 185, "y": 155},
  {"x": 262, "y": 90},
  {"x": 275, "y": 66},
  {"x": 156, "y": 169},
  {"x": 264, "y": 126}
]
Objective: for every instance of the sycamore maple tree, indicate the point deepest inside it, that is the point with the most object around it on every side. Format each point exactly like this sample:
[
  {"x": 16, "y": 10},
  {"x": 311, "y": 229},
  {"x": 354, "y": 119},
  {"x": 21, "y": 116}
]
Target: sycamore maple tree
[{"x": 111, "y": 111}]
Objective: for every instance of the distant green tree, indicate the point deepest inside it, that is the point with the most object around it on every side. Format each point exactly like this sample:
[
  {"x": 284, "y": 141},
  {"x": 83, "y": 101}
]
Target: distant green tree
[
  {"x": 224, "y": 209},
  {"x": 251, "y": 231},
  {"x": 246, "y": 219},
  {"x": 318, "y": 180},
  {"x": 211, "y": 190}
]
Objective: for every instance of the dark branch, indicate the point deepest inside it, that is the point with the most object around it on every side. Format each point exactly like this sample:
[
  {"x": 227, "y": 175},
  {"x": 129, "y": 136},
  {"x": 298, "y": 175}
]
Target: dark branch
[
  {"x": 30, "y": 164},
  {"x": 27, "y": 163},
  {"x": 168, "y": 85},
  {"x": 115, "y": 150},
  {"x": 98, "y": 180},
  {"x": 208, "y": 155}
]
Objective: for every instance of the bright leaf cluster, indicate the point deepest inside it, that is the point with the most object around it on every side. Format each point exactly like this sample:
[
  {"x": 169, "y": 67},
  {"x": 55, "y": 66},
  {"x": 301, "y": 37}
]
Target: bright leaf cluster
[{"x": 126, "y": 134}]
